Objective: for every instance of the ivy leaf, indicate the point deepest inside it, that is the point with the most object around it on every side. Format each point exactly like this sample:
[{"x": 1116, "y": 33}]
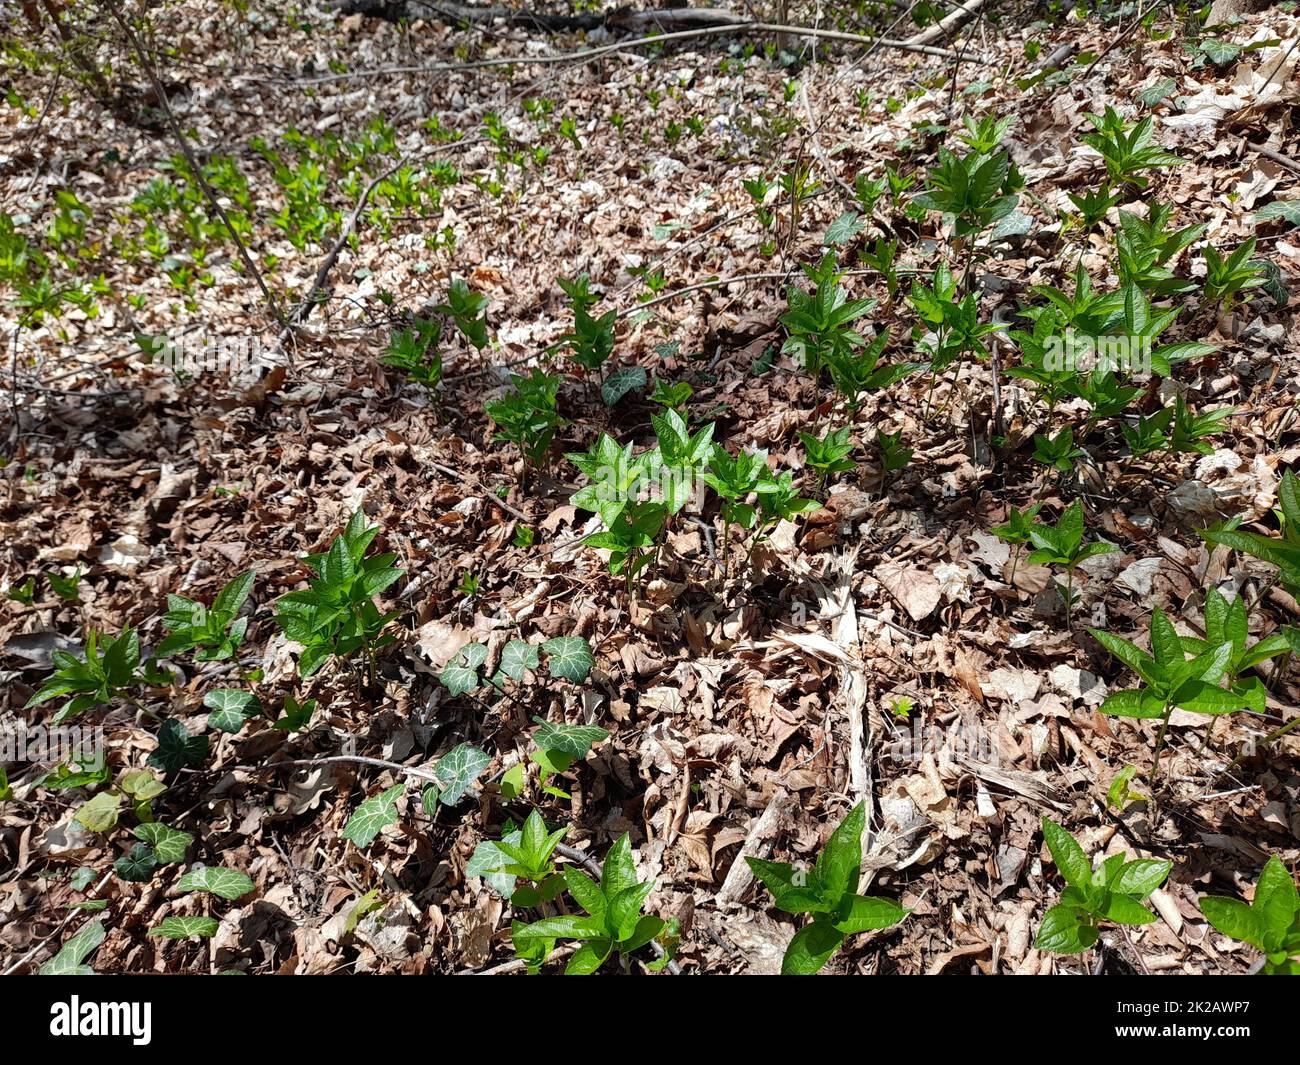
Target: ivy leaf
[
  {"x": 1220, "y": 53},
  {"x": 573, "y": 740},
  {"x": 177, "y": 748},
  {"x": 622, "y": 381},
  {"x": 184, "y": 927},
  {"x": 230, "y": 708},
  {"x": 1156, "y": 92},
  {"x": 1287, "y": 210},
  {"x": 138, "y": 865},
  {"x": 460, "y": 675},
  {"x": 229, "y": 884},
  {"x": 458, "y": 769},
  {"x": 74, "y": 951},
  {"x": 843, "y": 229},
  {"x": 517, "y": 657},
  {"x": 570, "y": 658},
  {"x": 169, "y": 844},
  {"x": 373, "y": 815},
  {"x": 100, "y": 813}
]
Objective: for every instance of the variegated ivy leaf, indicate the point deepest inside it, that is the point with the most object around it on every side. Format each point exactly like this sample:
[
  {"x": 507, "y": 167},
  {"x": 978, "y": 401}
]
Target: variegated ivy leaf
[
  {"x": 620, "y": 382},
  {"x": 169, "y": 844},
  {"x": 184, "y": 927},
  {"x": 177, "y": 748},
  {"x": 458, "y": 769},
  {"x": 137, "y": 865},
  {"x": 1287, "y": 210},
  {"x": 569, "y": 657},
  {"x": 517, "y": 657},
  {"x": 573, "y": 740},
  {"x": 460, "y": 675},
  {"x": 68, "y": 961},
  {"x": 230, "y": 708},
  {"x": 229, "y": 884},
  {"x": 489, "y": 860},
  {"x": 373, "y": 815}
]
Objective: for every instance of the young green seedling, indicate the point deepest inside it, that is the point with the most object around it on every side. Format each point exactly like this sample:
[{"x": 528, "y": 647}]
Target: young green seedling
[
  {"x": 1226, "y": 278},
  {"x": 99, "y": 676},
  {"x": 1282, "y": 551},
  {"x": 1062, "y": 545},
  {"x": 468, "y": 309},
  {"x": 1058, "y": 452},
  {"x": 1169, "y": 678},
  {"x": 1114, "y": 891},
  {"x": 527, "y": 416},
  {"x": 1127, "y": 150},
  {"x": 217, "y": 631},
  {"x": 828, "y": 893},
  {"x": 893, "y": 455},
  {"x": 1270, "y": 922},
  {"x": 1225, "y": 621},
  {"x": 415, "y": 352},
  {"x": 336, "y": 613},
  {"x": 1015, "y": 531},
  {"x": 613, "y": 921},
  {"x": 525, "y": 853},
  {"x": 828, "y": 454}
]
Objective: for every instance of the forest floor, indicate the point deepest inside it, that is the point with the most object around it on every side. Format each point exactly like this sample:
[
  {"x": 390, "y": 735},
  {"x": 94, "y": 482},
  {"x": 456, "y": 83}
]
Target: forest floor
[{"x": 886, "y": 648}]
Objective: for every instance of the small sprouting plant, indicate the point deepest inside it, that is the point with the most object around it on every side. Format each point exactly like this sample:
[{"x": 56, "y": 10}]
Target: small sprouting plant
[
  {"x": 468, "y": 309},
  {"x": 1227, "y": 277},
  {"x": 592, "y": 341},
  {"x": 216, "y": 631},
  {"x": 296, "y": 716},
  {"x": 414, "y": 351},
  {"x": 680, "y": 458},
  {"x": 1150, "y": 433},
  {"x": 857, "y": 371},
  {"x": 1094, "y": 204},
  {"x": 1191, "y": 430},
  {"x": 976, "y": 190},
  {"x": 336, "y": 613},
  {"x": 527, "y": 415},
  {"x": 525, "y": 853},
  {"x": 1114, "y": 891},
  {"x": 1127, "y": 149},
  {"x": 985, "y": 135},
  {"x": 1015, "y": 531},
  {"x": 108, "y": 669},
  {"x": 827, "y": 892},
  {"x": 828, "y": 454},
  {"x": 1270, "y": 922},
  {"x": 820, "y": 322},
  {"x": 1058, "y": 452},
  {"x": 1169, "y": 678},
  {"x": 674, "y": 396},
  {"x": 613, "y": 921},
  {"x": 1281, "y": 551},
  {"x": 883, "y": 258},
  {"x": 1146, "y": 247},
  {"x": 631, "y": 537},
  {"x": 893, "y": 455},
  {"x": 1225, "y": 622},
  {"x": 1062, "y": 545}
]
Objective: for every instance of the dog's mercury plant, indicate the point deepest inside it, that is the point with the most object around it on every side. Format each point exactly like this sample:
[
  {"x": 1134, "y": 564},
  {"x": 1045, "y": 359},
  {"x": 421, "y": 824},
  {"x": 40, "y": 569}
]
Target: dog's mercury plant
[
  {"x": 1270, "y": 922},
  {"x": 828, "y": 893},
  {"x": 1115, "y": 891}
]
